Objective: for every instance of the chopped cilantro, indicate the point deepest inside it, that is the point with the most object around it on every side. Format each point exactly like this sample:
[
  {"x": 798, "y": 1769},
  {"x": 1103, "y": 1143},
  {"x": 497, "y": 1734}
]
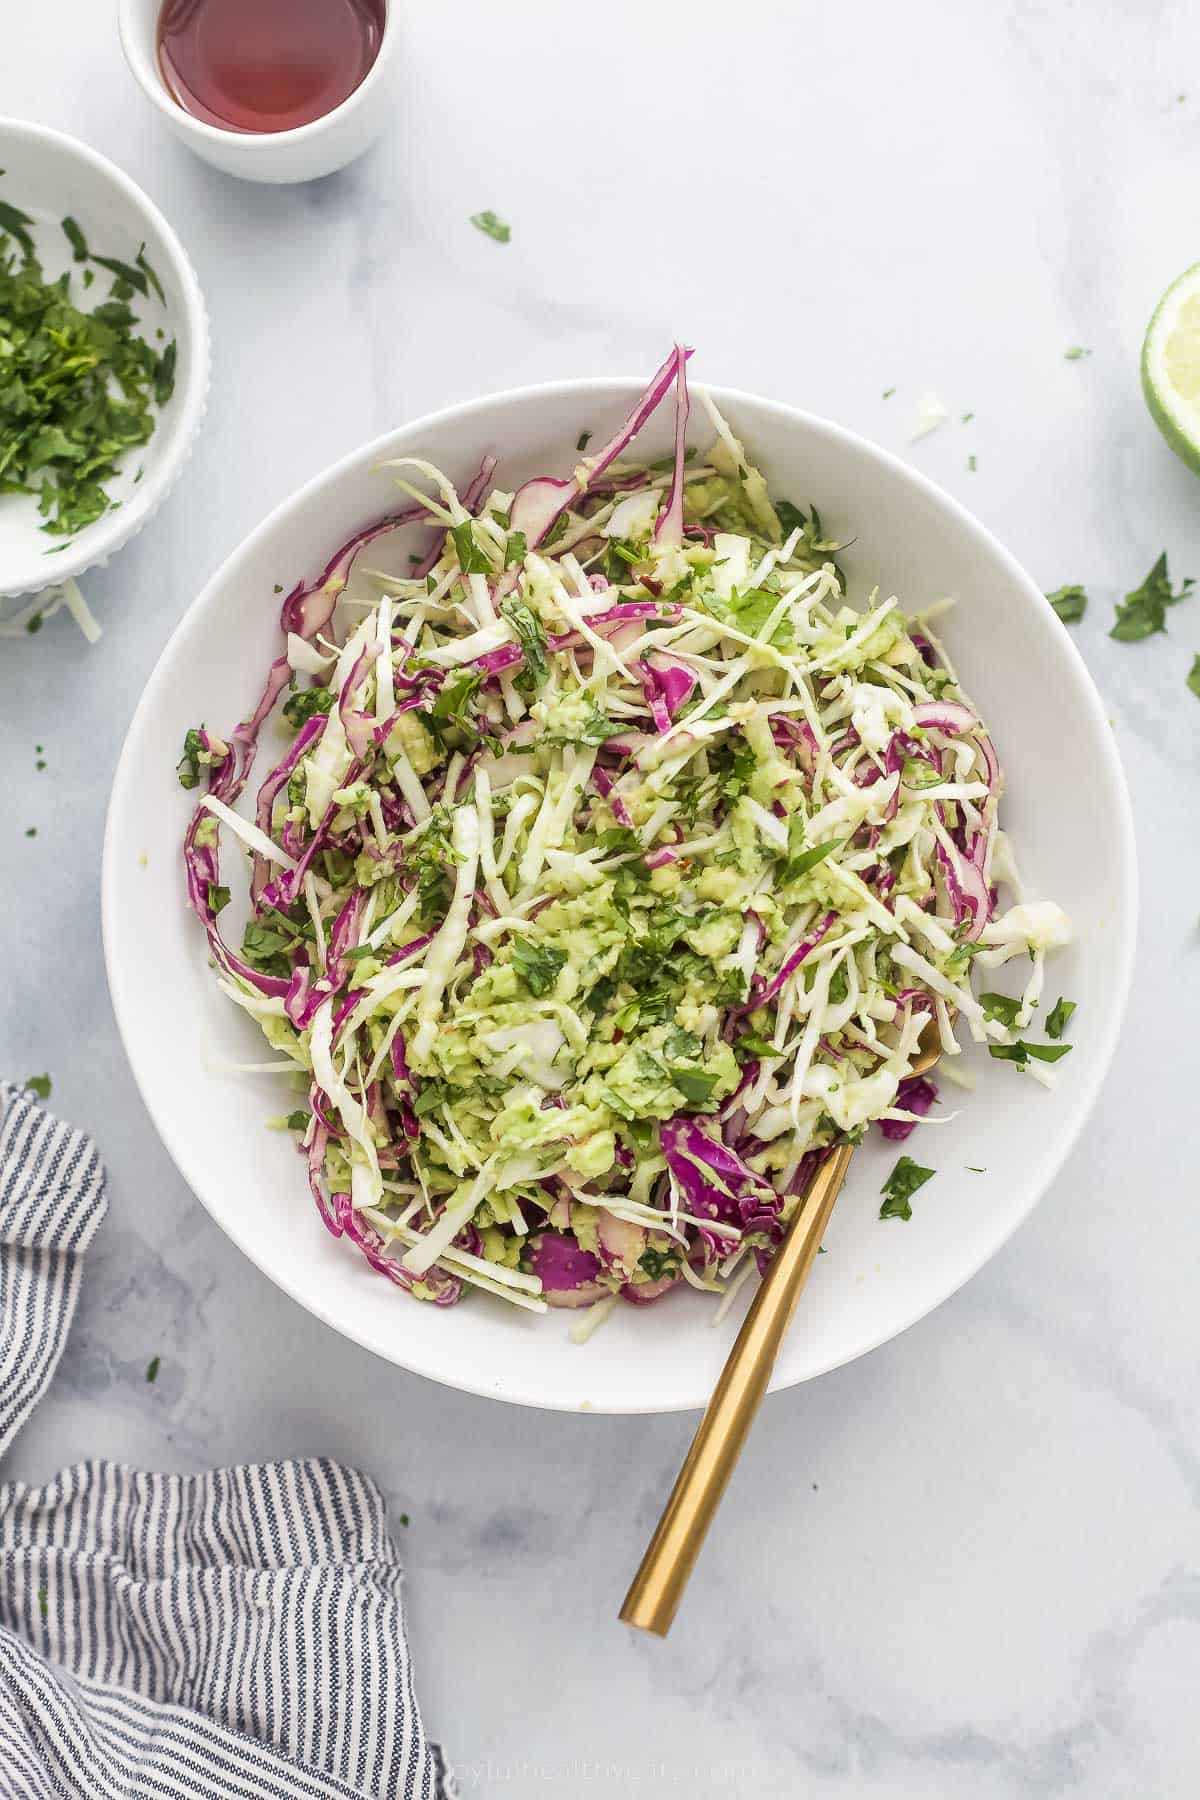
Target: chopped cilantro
[
  {"x": 888, "y": 392},
  {"x": 538, "y": 965},
  {"x": 31, "y": 831},
  {"x": 1001, "y": 1007},
  {"x": 900, "y": 1186},
  {"x": 43, "y": 1601},
  {"x": 152, "y": 1368},
  {"x": 657, "y": 1263},
  {"x": 429, "y": 1097},
  {"x": 76, "y": 239},
  {"x": 1143, "y": 610},
  {"x": 530, "y": 634},
  {"x": 1060, "y": 1018},
  {"x": 300, "y": 707},
  {"x": 1076, "y": 353},
  {"x": 491, "y": 226},
  {"x": 78, "y": 387},
  {"x": 516, "y": 550},
  {"x": 800, "y": 864},
  {"x": 1020, "y": 1052},
  {"x": 972, "y": 465},
  {"x": 1070, "y": 603},
  {"x": 696, "y": 1085},
  {"x": 582, "y": 442},
  {"x": 298, "y": 1121},
  {"x": 1193, "y": 680},
  {"x": 39, "y": 1085},
  {"x": 471, "y": 558},
  {"x": 218, "y": 896}
]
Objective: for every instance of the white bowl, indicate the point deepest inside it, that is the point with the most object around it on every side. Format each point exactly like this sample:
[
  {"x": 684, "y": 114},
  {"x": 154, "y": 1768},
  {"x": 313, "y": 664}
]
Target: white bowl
[
  {"x": 47, "y": 175},
  {"x": 1066, "y": 807},
  {"x": 309, "y": 151}
]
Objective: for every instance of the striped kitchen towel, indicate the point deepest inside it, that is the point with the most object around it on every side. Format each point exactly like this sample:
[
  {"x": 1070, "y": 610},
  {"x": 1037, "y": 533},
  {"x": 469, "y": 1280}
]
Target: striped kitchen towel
[{"x": 226, "y": 1636}]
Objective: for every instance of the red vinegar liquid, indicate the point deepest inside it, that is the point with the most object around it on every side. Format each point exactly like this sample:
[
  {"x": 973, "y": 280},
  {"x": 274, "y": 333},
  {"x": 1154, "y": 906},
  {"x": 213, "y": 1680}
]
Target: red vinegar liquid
[{"x": 266, "y": 65}]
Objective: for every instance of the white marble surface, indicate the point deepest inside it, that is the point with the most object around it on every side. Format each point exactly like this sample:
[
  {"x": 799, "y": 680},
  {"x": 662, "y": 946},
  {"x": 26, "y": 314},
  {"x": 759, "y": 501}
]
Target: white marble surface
[{"x": 967, "y": 1565}]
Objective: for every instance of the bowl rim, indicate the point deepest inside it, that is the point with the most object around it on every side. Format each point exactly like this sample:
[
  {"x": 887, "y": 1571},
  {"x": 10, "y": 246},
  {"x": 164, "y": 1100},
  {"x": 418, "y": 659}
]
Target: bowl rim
[
  {"x": 143, "y": 66},
  {"x": 99, "y": 541},
  {"x": 603, "y": 387}
]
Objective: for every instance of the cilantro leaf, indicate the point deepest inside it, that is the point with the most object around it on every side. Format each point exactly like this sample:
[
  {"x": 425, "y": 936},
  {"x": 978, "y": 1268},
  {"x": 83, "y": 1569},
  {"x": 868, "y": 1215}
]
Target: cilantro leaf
[
  {"x": 1076, "y": 353},
  {"x": 188, "y": 766},
  {"x": 152, "y": 1368},
  {"x": 76, "y": 239},
  {"x": 1143, "y": 610},
  {"x": 1070, "y": 603},
  {"x": 900, "y": 1186},
  {"x": 679, "y": 1042},
  {"x": 300, "y": 707},
  {"x": 1059, "y": 1018},
  {"x": 750, "y": 1046},
  {"x": 538, "y": 965},
  {"x": 218, "y": 896},
  {"x": 1193, "y": 680},
  {"x": 516, "y": 550},
  {"x": 39, "y": 1085},
  {"x": 455, "y": 697},
  {"x": 1001, "y": 1007},
  {"x": 800, "y": 864},
  {"x": 1020, "y": 1052},
  {"x": 530, "y": 634},
  {"x": 471, "y": 558},
  {"x": 427, "y": 1100},
  {"x": 696, "y": 1085},
  {"x": 491, "y": 226}
]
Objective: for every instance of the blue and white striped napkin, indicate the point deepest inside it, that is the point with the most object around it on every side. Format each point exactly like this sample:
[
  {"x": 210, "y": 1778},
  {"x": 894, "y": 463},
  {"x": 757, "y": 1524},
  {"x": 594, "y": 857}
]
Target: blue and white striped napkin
[{"x": 226, "y": 1636}]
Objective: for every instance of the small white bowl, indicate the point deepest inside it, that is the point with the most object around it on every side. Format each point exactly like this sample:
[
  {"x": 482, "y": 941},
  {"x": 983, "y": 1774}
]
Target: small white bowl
[
  {"x": 1066, "y": 809},
  {"x": 48, "y": 175},
  {"x": 309, "y": 151}
]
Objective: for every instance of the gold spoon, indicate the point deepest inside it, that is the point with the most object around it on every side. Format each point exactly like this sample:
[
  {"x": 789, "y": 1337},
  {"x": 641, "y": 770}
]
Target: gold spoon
[{"x": 657, "y": 1588}]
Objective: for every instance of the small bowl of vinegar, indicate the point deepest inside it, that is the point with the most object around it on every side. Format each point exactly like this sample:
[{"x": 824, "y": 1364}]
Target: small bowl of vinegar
[{"x": 269, "y": 90}]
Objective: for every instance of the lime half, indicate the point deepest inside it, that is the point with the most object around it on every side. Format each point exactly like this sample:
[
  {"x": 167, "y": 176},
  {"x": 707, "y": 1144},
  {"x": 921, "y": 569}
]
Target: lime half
[{"x": 1171, "y": 367}]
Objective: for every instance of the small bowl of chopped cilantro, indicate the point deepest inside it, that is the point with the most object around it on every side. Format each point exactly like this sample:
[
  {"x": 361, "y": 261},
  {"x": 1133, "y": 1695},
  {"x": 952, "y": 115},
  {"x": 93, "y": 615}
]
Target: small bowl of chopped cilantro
[{"x": 103, "y": 360}]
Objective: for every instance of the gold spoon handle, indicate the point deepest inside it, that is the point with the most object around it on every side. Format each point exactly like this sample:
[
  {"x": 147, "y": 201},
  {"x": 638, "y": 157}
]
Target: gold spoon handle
[{"x": 657, "y": 1588}]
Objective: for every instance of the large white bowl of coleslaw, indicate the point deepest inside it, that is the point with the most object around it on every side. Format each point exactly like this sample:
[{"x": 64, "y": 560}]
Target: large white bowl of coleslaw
[{"x": 613, "y": 808}]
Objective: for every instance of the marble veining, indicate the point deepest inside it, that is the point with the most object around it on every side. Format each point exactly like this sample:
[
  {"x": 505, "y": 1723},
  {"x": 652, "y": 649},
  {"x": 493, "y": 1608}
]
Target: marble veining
[{"x": 970, "y": 1563}]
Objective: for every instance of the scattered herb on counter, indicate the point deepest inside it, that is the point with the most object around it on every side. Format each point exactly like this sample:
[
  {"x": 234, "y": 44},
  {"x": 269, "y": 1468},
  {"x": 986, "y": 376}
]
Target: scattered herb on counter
[
  {"x": 152, "y": 1368},
  {"x": 967, "y": 417},
  {"x": 1144, "y": 610},
  {"x": 31, "y": 831},
  {"x": 971, "y": 464},
  {"x": 900, "y": 1186},
  {"x": 1076, "y": 353},
  {"x": 39, "y": 1085},
  {"x": 404, "y": 1519},
  {"x": 76, "y": 388},
  {"x": 491, "y": 226},
  {"x": 1070, "y": 603},
  {"x": 43, "y": 1601},
  {"x": 972, "y": 1170},
  {"x": 888, "y": 392},
  {"x": 582, "y": 441},
  {"x": 1193, "y": 679}
]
